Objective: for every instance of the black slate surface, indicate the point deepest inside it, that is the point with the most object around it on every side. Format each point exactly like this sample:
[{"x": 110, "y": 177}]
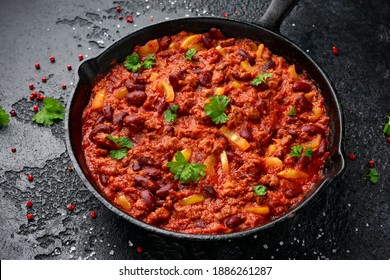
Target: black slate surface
[{"x": 349, "y": 219}]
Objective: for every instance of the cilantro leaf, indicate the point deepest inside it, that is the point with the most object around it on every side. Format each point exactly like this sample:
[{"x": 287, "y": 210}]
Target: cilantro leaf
[
  {"x": 386, "y": 129},
  {"x": 133, "y": 62},
  {"x": 4, "y": 117},
  {"x": 118, "y": 154},
  {"x": 125, "y": 144},
  {"x": 190, "y": 53},
  {"x": 260, "y": 190},
  {"x": 297, "y": 151},
  {"x": 261, "y": 78},
  {"x": 170, "y": 114},
  {"x": 149, "y": 61},
  {"x": 216, "y": 109},
  {"x": 373, "y": 175},
  {"x": 51, "y": 112},
  {"x": 308, "y": 153},
  {"x": 292, "y": 112},
  {"x": 184, "y": 170}
]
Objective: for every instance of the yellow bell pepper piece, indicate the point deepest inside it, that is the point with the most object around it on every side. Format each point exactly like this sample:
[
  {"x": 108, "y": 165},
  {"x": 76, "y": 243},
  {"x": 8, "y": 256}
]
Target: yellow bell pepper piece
[
  {"x": 123, "y": 202},
  {"x": 292, "y": 174},
  {"x": 262, "y": 210},
  {"x": 210, "y": 161},
  {"x": 149, "y": 48},
  {"x": 190, "y": 40},
  {"x": 224, "y": 162},
  {"x": 168, "y": 89},
  {"x": 98, "y": 100},
  {"x": 292, "y": 72},
  {"x": 192, "y": 199},
  {"x": 120, "y": 92},
  {"x": 235, "y": 138}
]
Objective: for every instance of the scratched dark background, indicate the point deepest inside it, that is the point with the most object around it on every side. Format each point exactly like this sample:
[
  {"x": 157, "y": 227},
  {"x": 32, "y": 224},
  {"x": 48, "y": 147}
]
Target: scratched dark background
[{"x": 349, "y": 219}]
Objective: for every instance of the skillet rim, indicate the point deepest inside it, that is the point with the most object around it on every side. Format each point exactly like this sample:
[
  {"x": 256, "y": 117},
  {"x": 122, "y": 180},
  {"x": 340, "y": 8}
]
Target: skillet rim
[{"x": 334, "y": 171}]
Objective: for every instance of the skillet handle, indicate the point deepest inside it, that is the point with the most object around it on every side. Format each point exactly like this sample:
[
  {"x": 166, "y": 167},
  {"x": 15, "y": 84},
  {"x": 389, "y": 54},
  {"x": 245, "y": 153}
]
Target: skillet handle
[{"x": 275, "y": 14}]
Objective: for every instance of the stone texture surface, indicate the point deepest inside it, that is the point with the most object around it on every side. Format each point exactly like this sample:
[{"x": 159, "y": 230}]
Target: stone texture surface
[{"x": 349, "y": 219}]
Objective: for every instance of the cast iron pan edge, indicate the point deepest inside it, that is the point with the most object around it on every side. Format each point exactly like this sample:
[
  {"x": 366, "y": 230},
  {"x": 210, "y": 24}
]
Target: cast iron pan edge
[{"x": 100, "y": 66}]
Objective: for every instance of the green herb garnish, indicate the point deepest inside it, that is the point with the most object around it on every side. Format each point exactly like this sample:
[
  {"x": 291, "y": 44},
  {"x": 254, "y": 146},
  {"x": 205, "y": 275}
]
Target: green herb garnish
[
  {"x": 190, "y": 53},
  {"x": 184, "y": 170},
  {"x": 133, "y": 62},
  {"x": 292, "y": 112},
  {"x": 373, "y": 175},
  {"x": 261, "y": 78},
  {"x": 296, "y": 151},
  {"x": 170, "y": 114},
  {"x": 4, "y": 117},
  {"x": 51, "y": 112},
  {"x": 386, "y": 129},
  {"x": 216, "y": 109},
  {"x": 260, "y": 190},
  {"x": 149, "y": 61},
  {"x": 125, "y": 144}
]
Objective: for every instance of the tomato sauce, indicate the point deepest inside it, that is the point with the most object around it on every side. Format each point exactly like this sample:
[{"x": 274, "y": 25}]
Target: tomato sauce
[{"x": 257, "y": 164}]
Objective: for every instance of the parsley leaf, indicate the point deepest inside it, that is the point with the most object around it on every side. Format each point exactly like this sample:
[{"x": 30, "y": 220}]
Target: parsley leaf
[
  {"x": 51, "y": 112},
  {"x": 296, "y": 151},
  {"x": 292, "y": 112},
  {"x": 184, "y": 170},
  {"x": 373, "y": 175},
  {"x": 216, "y": 109},
  {"x": 118, "y": 154},
  {"x": 4, "y": 117},
  {"x": 308, "y": 153},
  {"x": 133, "y": 62},
  {"x": 149, "y": 61},
  {"x": 190, "y": 53},
  {"x": 386, "y": 130},
  {"x": 170, "y": 114},
  {"x": 261, "y": 78},
  {"x": 260, "y": 190},
  {"x": 124, "y": 145}
]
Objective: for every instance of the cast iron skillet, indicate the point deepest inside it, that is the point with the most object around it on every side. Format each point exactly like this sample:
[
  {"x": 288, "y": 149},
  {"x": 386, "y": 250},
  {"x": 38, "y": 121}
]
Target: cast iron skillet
[{"x": 90, "y": 70}]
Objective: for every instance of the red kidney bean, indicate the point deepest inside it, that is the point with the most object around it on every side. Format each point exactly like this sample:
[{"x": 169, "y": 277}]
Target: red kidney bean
[
  {"x": 291, "y": 119},
  {"x": 152, "y": 172},
  {"x": 103, "y": 179},
  {"x": 108, "y": 112},
  {"x": 205, "y": 77},
  {"x": 261, "y": 106},
  {"x": 304, "y": 161},
  {"x": 137, "y": 97},
  {"x": 143, "y": 161},
  {"x": 136, "y": 166},
  {"x": 101, "y": 128},
  {"x": 133, "y": 121},
  {"x": 232, "y": 156},
  {"x": 164, "y": 42},
  {"x": 246, "y": 56},
  {"x": 312, "y": 129},
  {"x": 210, "y": 191},
  {"x": 129, "y": 85},
  {"x": 148, "y": 198},
  {"x": 303, "y": 104},
  {"x": 146, "y": 183},
  {"x": 100, "y": 139},
  {"x": 293, "y": 192},
  {"x": 164, "y": 190},
  {"x": 118, "y": 119},
  {"x": 140, "y": 79},
  {"x": 216, "y": 33},
  {"x": 322, "y": 148},
  {"x": 160, "y": 105},
  {"x": 206, "y": 40},
  {"x": 270, "y": 64},
  {"x": 174, "y": 79},
  {"x": 301, "y": 86},
  {"x": 160, "y": 203},
  {"x": 234, "y": 221},
  {"x": 246, "y": 133}
]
